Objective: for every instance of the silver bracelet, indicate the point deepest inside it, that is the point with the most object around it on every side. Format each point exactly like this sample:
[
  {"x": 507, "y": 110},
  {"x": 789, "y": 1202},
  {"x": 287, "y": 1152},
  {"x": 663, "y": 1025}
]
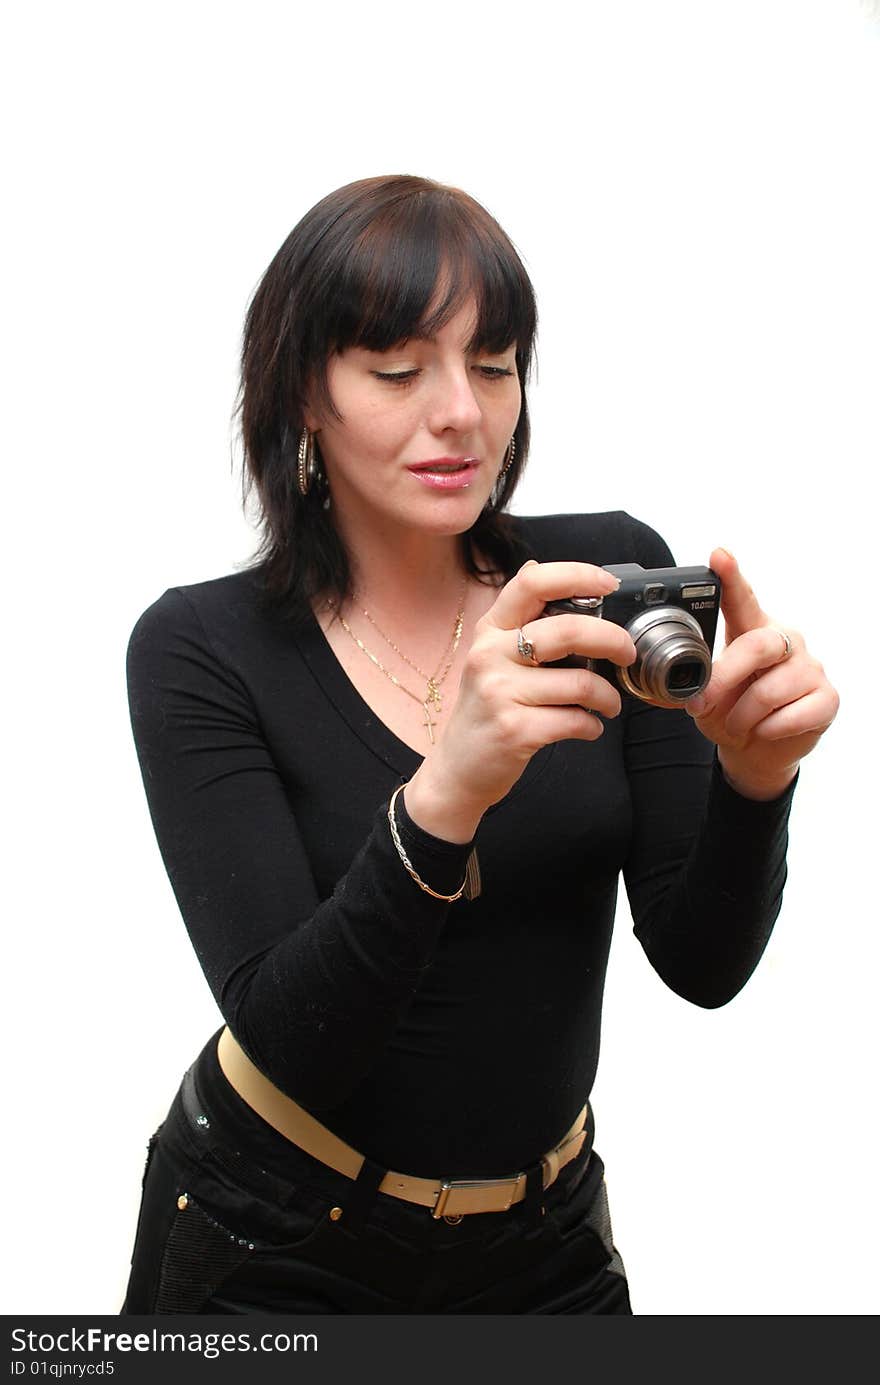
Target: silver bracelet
[{"x": 395, "y": 837}]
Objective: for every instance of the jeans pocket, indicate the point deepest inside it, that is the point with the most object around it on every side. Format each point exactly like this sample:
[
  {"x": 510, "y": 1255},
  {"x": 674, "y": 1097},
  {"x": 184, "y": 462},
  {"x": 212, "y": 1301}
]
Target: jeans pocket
[
  {"x": 598, "y": 1218},
  {"x": 199, "y": 1255},
  {"x": 227, "y": 1234},
  {"x": 255, "y": 1205},
  {"x": 585, "y": 1216},
  {"x": 584, "y": 1209},
  {"x": 181, "y": 1251}
]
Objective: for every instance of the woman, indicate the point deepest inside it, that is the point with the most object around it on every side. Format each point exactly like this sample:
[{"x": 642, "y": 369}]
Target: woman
[{"x": 395, "y": 837}]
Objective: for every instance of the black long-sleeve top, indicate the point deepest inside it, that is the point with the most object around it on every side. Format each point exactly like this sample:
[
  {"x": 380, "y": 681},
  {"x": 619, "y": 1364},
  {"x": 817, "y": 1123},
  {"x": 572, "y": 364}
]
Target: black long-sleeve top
[{"x": 444, "y": 1040}]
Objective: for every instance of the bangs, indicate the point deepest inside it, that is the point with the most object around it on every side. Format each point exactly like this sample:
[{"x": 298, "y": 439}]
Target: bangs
[
  {"x": 412, "y": 267},
  {"x": 374, "y": 264}
]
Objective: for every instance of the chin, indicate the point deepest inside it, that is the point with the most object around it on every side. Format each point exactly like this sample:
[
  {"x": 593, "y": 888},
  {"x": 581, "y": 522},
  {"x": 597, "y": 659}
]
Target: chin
[
  {"x": 459, "y": 522},
  {"x": 453, "y": 511}
]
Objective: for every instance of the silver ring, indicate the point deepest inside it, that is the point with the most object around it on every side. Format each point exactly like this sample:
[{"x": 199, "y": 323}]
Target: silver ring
[
  {"x": 525, "y": 649},
  {"x": 788, "y": 644}
]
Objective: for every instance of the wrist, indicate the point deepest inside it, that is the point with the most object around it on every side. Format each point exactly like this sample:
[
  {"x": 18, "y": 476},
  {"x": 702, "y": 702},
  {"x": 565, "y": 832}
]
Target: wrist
[
  {"x": 437, "y": 810},
  {"x": 760, "y": 789}
]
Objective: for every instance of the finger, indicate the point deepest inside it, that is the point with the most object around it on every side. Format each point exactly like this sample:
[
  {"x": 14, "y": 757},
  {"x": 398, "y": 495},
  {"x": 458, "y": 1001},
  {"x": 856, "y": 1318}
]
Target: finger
[
  {"x": 757, "y": 649},
  {"x": 811, "y": 714},
  {"x": 566, "y": 724},
  {"x": 549, "y": 687},
  {"x": 523, "y": 598},
  {"x": 555, "y": 637},
  {"x": 773, "y": 690},
  {"x": 740, "y": 607}
]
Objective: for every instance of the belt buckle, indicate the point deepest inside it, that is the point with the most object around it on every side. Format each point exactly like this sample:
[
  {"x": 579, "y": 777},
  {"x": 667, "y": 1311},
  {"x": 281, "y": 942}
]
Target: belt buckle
[{"x": 469, "y": 1191}]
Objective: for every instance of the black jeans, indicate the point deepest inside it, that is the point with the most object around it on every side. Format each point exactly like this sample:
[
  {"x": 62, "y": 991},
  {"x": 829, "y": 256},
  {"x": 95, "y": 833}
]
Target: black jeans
[{"x": 236, "y": 1219}]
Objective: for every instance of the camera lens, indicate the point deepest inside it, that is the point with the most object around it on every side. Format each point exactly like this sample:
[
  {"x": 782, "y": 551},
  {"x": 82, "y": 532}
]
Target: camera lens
[
  {"x": 685, "y": 678},
  {"x": 673, "y": 661}
]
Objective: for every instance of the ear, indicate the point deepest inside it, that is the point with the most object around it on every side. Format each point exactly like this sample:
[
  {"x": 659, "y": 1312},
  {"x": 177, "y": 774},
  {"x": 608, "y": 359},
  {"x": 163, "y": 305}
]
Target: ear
[{"x": 311, "y": 416}]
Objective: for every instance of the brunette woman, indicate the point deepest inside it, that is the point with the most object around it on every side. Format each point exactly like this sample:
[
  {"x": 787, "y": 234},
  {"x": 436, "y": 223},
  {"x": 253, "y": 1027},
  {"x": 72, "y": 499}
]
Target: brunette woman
[{"x": 395, "y": 834}]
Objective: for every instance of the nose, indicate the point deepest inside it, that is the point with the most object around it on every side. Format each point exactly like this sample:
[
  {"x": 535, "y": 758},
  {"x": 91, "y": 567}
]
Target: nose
[{"x": 454, "y": 404}]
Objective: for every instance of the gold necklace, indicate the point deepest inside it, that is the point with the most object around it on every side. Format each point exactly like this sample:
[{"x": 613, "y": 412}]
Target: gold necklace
[
  {"x": 432, "y": 696},
  {"x": 433, "y": 680},
  {"x": 472, "y": 879}
]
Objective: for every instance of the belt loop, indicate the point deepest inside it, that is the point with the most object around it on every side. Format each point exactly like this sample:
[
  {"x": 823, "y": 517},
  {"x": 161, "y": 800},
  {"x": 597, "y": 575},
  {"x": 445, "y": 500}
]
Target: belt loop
[
  {"x": 362, "y": 1194},
  {"x": 192, "y": 1108},
  {"x": 533, "y": 1201}
]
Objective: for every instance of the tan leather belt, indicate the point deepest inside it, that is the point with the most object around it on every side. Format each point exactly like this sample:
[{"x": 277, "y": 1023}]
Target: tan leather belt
[{"x": 445, "y": 1197}]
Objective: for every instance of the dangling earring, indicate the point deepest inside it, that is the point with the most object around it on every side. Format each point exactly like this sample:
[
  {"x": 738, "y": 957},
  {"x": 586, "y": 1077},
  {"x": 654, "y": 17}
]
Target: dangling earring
[
  {"x": 508, "y": 458},
  {"x": 505, "y": 467},
  {"x": 306, "y": 463}
]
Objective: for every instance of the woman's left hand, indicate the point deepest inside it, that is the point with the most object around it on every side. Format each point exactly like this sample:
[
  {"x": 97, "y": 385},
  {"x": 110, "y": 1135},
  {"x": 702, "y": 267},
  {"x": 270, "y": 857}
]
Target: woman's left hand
[{"x": 768, "y": 700}]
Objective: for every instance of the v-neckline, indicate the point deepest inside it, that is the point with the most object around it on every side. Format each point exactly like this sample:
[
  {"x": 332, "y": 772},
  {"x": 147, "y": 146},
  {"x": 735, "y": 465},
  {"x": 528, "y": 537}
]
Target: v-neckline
[
  {"x": 354, "y": 709},
  {"x": 366, "y": 724}
]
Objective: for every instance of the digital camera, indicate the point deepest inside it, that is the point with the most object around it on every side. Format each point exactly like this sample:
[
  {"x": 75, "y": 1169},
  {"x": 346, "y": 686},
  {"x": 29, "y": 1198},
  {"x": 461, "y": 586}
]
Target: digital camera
[{"x": 670, "y": 613}]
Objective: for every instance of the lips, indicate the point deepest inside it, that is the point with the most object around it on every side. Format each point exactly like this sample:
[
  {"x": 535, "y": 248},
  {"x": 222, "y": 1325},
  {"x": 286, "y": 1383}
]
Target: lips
[
  {"x": 446, "y": 473},
  {"x": 445, "y": 465}
]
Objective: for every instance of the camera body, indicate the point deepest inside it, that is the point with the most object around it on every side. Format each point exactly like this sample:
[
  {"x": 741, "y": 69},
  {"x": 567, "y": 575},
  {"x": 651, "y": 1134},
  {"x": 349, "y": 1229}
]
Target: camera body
[{"x": 671, "y": 614}]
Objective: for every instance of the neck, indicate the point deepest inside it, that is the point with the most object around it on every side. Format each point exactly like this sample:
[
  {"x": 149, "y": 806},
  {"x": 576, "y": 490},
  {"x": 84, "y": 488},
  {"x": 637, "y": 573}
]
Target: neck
[
  {"x": 415, "y": 578},
  {"x": 429, "y": 578}
]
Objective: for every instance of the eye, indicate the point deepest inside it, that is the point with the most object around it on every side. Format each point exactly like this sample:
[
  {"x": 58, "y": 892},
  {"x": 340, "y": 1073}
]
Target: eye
[
  {"x": 494, "y": 372},
  {"x": 396, "y": 377}
]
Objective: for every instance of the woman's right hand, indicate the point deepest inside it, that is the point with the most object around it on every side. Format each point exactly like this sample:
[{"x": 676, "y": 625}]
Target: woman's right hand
[{"x": 506, "y": 708}]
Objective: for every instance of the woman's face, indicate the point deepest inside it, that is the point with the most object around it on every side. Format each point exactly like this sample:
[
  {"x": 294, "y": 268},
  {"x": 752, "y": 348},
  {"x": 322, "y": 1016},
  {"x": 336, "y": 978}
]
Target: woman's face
[{"x": 423, "y": 401}]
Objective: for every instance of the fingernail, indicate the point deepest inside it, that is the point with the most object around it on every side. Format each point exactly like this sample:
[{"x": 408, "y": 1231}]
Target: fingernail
[
  {"x": 727, "y": 551},
  {"x": 696, "y": 705},
  {"x": 615, "y": 580}
]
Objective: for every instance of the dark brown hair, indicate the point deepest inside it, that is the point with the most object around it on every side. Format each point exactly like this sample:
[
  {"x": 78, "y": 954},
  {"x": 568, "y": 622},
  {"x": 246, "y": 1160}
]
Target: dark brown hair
[{"x": 363, "y": 268}]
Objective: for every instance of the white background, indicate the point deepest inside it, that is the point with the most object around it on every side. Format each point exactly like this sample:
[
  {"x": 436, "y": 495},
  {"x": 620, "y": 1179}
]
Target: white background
[{"x": 694, "y": 189}]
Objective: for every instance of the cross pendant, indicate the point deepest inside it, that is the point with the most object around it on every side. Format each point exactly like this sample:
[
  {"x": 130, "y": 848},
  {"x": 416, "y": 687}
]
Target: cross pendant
[{"x": 429, "y": 724}]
